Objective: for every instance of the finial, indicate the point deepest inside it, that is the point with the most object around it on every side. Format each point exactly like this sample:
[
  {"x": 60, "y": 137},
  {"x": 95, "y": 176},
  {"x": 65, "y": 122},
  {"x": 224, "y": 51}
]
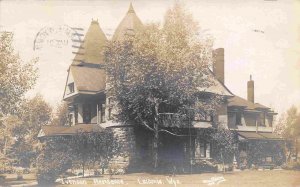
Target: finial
[
  {"x": 250, "y": 77},
  {"x": 95, "y": 21},
  {"x": 130, "y": 10}
]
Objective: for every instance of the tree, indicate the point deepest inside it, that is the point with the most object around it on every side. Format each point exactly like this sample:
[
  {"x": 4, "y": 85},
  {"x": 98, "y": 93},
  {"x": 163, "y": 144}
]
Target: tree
[
  {"x": 61, "y": 115},
  {"x": 226, "y": 142},
  {"x": 54, "y": 159},
  {"x": 16, "y": 77},
  {"x": 35, "y": 113},
  {"x": 160, "y": 70},
  {"x": 289, "y": 128},
  {"x": 91, "y": 147},
  {"x": 24, "y": 127}
]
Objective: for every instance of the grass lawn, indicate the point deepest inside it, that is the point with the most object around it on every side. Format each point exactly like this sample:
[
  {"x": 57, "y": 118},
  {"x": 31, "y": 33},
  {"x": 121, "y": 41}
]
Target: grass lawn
[
  {"x": 11, "y": 179},
  {"x": 273, "y": 178}
]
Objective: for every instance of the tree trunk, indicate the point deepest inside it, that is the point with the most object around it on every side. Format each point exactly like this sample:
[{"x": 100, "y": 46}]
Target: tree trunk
[
  {"x": 155, "y": 140},
  {"x": 83, "y": 164},
  {"x": 5, "y": 146},
  {"x": 296, "y": 149}
]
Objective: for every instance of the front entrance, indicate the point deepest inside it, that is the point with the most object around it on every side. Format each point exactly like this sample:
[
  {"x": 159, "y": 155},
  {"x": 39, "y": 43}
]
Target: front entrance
[{"x": 173, "y": 152}]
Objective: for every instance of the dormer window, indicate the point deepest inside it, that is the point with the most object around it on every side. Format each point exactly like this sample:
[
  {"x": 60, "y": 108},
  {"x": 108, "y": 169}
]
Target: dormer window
[
  {"x": 238, "y": 118},
  {"x": 71, "y": 87}
]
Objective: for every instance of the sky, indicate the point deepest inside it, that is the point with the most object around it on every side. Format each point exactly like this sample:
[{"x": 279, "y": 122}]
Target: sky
[{"x": 260, "y": 37}]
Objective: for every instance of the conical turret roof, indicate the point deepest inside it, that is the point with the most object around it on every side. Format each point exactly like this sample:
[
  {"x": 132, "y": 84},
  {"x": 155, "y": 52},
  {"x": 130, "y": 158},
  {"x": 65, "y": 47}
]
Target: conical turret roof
[
  {"x": 91, "y": 50},
  {"x": 128, "y": 25}
]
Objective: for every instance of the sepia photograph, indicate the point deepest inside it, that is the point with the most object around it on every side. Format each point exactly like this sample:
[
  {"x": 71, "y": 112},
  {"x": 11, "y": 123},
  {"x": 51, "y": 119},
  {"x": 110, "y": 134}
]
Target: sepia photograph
[{"x": 153, "y": 93}]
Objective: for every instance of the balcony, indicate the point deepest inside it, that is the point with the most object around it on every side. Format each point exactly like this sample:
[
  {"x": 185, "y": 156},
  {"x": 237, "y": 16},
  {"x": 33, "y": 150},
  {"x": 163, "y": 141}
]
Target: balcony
[{"x": 175, "y": 120}]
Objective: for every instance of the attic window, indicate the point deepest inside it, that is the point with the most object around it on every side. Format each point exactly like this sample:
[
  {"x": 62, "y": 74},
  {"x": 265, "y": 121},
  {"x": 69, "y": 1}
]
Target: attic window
[{"x": 71, "y": 87}]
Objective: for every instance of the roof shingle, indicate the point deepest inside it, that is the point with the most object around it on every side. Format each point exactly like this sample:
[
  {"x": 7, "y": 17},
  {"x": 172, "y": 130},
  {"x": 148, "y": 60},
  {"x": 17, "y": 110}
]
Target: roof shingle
[{"x": 89, "y": 79}]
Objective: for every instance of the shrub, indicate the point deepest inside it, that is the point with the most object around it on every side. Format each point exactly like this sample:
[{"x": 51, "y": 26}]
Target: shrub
[
  {"x": 292, "y": 166},
  {"x": 205, "y": 166},
  {"x": 52, "y": 162}
]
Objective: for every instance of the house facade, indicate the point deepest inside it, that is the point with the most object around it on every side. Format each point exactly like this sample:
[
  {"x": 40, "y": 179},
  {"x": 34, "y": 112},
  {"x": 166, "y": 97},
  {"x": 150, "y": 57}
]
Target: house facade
[{"x": 91, "y": 107}]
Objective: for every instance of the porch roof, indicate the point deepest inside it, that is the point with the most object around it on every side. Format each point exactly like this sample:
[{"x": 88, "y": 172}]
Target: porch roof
[
  {"x": 51, "y": 130},
  {"x": 271, "y": 136},
  {"x": 258, "y": 136}
]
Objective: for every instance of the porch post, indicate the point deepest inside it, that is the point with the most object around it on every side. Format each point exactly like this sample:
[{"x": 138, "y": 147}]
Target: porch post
[{"x": 190, "y": 136}]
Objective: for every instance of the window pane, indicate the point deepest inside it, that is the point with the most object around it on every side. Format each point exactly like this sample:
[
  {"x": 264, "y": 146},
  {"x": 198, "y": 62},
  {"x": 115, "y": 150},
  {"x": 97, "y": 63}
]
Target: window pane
[
  {"x": 86, "y": 113},
  {"x": 202, "y": 150},
  {"x": 208, "y": 150},
  {"x": 238, "y": 119}
]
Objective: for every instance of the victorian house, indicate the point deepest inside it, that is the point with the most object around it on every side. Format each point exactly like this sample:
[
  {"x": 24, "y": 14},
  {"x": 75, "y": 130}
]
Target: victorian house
[{"x": 91, "y": 108}]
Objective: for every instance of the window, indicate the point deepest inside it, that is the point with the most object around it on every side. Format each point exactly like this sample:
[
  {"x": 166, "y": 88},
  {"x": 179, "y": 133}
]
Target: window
[
  {"x": 70, "y": 119},
  {"x": 86, "y": 112},
  {"x": 238, "y": 118},
  {"x": 71, "y": 87},
  {"x": 202, "y": 149},
  {"x": 270, "y": 120},
  {"x": 262, "y": 119}
]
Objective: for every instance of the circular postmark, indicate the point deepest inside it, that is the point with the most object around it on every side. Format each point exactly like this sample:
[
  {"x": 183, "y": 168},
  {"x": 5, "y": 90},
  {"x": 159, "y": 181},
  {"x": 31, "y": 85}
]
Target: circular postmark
[{"x": 56, "y": 37}]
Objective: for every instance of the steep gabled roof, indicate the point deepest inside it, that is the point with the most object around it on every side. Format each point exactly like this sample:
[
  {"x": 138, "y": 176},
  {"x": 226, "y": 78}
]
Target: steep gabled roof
[
  {"x": 128, "y": 25},
  {"x": 91, "y": 50},
  {"x": 87, "y": 67}
]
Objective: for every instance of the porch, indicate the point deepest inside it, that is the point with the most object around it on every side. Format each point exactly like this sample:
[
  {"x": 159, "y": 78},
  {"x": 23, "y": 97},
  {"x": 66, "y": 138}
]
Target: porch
[
  {"x": 179, "y": 151},
  {"x": 260, "y": 149}
]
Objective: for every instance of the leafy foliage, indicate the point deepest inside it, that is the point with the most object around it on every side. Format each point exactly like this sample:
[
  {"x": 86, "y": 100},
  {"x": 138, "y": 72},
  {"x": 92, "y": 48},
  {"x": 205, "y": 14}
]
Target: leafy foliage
[
  {"x": 89, "y": 148},
  {"x": 53, "y": 160},
  {"x": 159, "y": 65},
  {"x": 289, "y": 127},
  {"x": 225, "y": 141},
  {"x": 160, "y": 69},
  {"x": 61, "y": 116},
  {"x": 16, "y": 77},
  {"x": 57, "y": 154},
  {"x": 19, "y": 131}
]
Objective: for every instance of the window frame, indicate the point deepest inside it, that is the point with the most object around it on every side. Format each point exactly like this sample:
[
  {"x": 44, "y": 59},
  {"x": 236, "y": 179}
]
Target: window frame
[{"x": 71, "y": 87}]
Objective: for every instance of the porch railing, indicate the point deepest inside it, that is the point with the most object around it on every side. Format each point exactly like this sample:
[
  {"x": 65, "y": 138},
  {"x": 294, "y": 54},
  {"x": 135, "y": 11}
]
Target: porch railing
[{"x": 175, "y": 120}]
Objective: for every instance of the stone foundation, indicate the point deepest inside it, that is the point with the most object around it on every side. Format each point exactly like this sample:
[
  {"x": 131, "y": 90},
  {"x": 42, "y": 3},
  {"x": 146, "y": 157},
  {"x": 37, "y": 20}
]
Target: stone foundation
[{"x": 126, "y": 139}]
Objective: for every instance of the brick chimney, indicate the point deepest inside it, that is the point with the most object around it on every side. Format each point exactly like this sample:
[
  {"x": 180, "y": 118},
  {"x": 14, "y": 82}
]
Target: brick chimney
[
  {"x": 250, "y": 90},
  {"x": 218, "y": 64}
]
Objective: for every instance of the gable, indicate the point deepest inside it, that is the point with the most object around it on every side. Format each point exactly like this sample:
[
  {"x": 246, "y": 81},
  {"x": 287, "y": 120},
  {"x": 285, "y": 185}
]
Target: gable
[{"x": 69, "y": 82}]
